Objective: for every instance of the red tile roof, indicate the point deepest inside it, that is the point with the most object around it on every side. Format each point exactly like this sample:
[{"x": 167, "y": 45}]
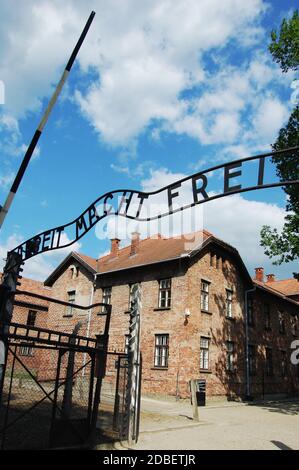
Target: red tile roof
[
  {"x": 268, "y": 287},
  {"x": 152, "y": 250},
  {"x": 285, "y": 286},
  {"x": 35, "y": 287},
  {"x": 92, "y": 262}
]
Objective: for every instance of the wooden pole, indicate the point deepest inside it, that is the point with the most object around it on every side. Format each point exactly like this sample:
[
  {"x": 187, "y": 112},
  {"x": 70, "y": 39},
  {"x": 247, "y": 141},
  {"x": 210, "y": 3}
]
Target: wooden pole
[{"x": 194, "y": 400}]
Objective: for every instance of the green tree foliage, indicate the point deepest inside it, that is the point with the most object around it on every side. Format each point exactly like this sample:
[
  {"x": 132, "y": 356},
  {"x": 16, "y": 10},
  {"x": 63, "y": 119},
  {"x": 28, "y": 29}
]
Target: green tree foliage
[
  {"x": 285, "y": 47},
  {"x": 285, "y": 245}
]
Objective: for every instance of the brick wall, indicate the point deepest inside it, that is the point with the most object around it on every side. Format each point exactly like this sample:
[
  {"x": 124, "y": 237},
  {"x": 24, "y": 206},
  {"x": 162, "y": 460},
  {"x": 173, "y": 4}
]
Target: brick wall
[{"x": 223, "y": 271}]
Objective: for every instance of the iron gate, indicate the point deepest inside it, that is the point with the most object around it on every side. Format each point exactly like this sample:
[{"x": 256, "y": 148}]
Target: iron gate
[{"x": 51, "y": 388}]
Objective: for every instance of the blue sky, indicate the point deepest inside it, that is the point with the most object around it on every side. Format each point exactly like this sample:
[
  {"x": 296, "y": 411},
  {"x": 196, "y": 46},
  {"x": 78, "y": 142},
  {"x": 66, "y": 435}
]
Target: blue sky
[{"x": 160, "y": 90}]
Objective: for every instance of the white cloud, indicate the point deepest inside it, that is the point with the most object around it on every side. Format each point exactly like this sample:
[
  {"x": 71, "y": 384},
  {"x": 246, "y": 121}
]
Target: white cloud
[
  {"x": 6, "y": 180},
  {"x": 233, "y": 219},
  {"x": 40, "y": 266},
  {"x": 269, "y": 119},
  {"x": 143, "y": 53},
  {"x": 143, "y": 57}
]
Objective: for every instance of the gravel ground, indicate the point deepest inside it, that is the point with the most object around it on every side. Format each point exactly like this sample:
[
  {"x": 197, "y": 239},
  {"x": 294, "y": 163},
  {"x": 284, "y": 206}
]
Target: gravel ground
[{"x": 269, "y": 425}]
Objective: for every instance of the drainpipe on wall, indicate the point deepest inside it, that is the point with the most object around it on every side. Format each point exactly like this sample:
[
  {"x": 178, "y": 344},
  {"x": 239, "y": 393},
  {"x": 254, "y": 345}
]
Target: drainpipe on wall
[{"x": 248, "y": 391}]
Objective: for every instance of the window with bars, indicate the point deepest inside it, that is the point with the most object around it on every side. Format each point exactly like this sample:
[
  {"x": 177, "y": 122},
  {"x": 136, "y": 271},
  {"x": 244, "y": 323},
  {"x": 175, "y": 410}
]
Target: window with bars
[
  {"x": 281, "y": 322},
  {"x": 31, "y": 318},
  {"x": 204, "y": 297},
  {"x": 71, "y": 299},
  {"x": 161, "y": 350},
  {"x": 165, "y": 293},
  {"x": 204, "y": 353},
  {"x": 230, "y": 356},
  {"x": 267, "y": 317},
  {"x": 250, "y": 317},
  {"x": 252, "y": 359},
  {"x": 283, "y": 363},
  {"x": 269, "y": 362},
  {"x": 229, "y": 303},
  {"x": 106, "y": 297},
  {"x": 26, "y": 350}
]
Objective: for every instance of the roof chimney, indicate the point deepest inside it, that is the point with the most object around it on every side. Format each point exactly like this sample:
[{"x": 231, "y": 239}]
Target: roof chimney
[
  {"x": 135, "y": 243},
  {"x": 114, "y": 246},
  {"x": 259, "y": 274},
  {"x": 270, "y": 277}
]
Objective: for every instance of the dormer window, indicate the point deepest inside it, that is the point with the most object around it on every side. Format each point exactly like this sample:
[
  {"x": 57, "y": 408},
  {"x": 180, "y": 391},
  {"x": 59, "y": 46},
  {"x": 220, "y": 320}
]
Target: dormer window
[{"x": 74, "y": 271}]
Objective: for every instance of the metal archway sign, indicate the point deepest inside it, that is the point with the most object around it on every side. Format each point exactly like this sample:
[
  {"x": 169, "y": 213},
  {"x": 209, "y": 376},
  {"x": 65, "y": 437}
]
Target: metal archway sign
[{"x": 136, "y": 205}]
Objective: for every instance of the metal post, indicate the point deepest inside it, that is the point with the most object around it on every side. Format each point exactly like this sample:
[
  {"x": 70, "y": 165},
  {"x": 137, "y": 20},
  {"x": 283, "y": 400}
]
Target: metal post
[
  {"x": 11, "y": 272},
  {"x": 101, "y": 371},
  {"x": 134, "y": 379},
  {"x": 29, "y": 152}
]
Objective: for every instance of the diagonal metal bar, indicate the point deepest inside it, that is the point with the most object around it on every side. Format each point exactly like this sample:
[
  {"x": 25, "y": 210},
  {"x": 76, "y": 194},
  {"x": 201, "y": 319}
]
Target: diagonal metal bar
[
  {"x": 40, "y": 401},
  {"x": 34, "y": 141}
]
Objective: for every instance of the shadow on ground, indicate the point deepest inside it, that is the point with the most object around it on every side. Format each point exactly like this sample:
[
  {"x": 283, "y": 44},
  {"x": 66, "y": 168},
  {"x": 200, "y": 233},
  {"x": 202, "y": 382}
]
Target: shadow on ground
[{"x": 287, "y": 408}]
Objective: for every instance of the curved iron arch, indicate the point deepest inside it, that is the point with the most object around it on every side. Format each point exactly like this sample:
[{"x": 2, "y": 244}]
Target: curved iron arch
[{"x": 49, "y": 240}]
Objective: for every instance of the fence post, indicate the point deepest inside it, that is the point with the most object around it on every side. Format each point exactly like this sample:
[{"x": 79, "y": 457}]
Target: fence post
[
  {"x": 100, "y": 365},
  {"x": 194, "y": 400},
  {"x": 11, "y": 272},
  {"x": 134, "y": 379}
]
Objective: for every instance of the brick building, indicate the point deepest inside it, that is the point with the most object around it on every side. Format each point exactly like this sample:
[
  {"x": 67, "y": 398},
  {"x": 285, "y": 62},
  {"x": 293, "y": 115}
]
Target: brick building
[
  {"x": 32, "y": 312},
  {"x": 202, "y": 316}
]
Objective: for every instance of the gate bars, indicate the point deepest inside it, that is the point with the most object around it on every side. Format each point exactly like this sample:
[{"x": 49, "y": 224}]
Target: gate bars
[{"x": 15, "y": 334}]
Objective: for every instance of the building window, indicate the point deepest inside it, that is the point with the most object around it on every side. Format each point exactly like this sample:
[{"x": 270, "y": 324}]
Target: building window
[
  {"x": 281, "y": 322},
  {"x": 267, "y": 317},
  {"x": 294, "y": 326},
  {"x": 229, "y": 303},
  {"x": 106, "y": 297},
  {"x": 127, "y": 344},
  {"x": 283, "y": 362},
  {"x": 252, "y": 359},
  {"x": 204, "y": 298},
  {"x": 161, "y": 350},
  {"x": 230, "y": 356},
  {"x": 31, "y": 318},
  {"x": 212, "y": 256},
  {"x": 71, "y": 299},
  {"x": 204, "y": 353},
  {"x": 26, "y": 350},
  {"x": 250, "y": 317},
  {"x": 269, "y": 362},
  {"x": 164, "y": 293}
]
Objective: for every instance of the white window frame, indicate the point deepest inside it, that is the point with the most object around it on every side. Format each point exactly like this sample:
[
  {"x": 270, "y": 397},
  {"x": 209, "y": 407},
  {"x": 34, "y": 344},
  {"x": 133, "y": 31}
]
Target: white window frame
[
  {"x": 204, "y": 359},
  {"x": 165, "y": 293},
  {"x": 161, "y": 350},
  {"x": 230, "y": 360},
  {"x": 106, "y": 297},
  {"x": 229, "y": 303},
  {"x": 71, "y": 299},
  {"x": 204, "y": 295}
]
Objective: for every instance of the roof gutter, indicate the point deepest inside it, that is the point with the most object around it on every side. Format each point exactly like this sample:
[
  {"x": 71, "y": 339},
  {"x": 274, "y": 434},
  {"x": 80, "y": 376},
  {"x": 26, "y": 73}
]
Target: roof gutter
[{"x": 184, "y": 255}]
